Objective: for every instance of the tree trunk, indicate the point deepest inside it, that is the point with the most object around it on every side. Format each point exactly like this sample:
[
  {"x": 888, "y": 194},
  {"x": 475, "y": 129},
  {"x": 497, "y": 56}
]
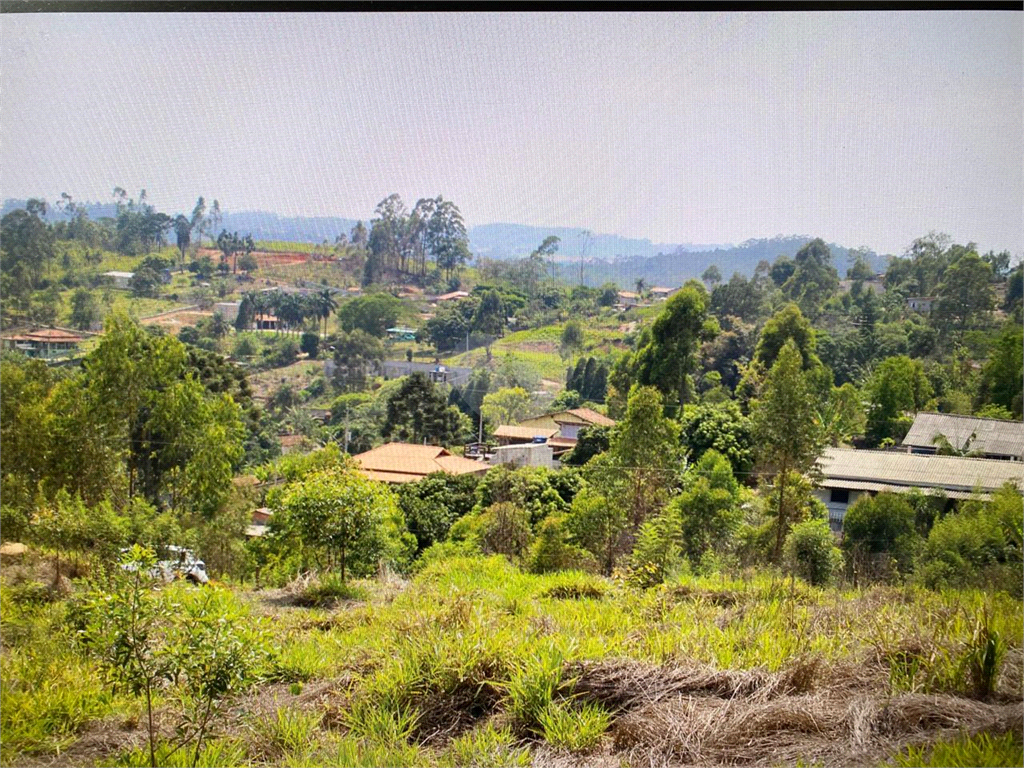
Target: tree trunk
[{"x": 780, "y": 533}]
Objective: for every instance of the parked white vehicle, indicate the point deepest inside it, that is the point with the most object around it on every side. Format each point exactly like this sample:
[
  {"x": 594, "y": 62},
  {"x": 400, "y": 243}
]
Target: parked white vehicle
[{"x": 178, "y": 563}]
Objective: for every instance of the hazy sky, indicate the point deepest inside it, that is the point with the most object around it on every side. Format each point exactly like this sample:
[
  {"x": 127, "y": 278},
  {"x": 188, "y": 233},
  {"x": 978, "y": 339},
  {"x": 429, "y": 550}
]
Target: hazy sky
[{"x": 862, "y": 128}]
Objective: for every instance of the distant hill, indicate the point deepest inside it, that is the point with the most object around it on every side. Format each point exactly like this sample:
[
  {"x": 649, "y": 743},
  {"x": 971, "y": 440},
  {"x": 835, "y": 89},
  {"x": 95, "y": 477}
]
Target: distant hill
[
  {"x": 609, "y": 257},
  {"x": 509, "y": 241},
  {"x": 676, "y": 267}
]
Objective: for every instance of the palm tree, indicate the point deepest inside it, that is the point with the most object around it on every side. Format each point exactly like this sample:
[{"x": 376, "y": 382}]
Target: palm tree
[
  {"x": 641, "y": 284},
  {"x": 326, "y": 305}
]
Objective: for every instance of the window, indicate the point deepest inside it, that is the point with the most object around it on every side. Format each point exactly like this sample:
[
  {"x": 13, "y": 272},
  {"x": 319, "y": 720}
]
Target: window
[{"x": 840, "y": 496}]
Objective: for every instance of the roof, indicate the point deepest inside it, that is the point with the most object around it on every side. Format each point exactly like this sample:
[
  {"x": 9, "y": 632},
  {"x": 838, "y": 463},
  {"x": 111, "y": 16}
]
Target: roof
[
  {"x": 51, "y": 335},
  {"x": 856, "y": 485},
  {"x": 519, "y": 432},
  {"x": 661, "y": 289},
  {"x": 582, "y": 416},
  {"x": 116, "y": 273},
  {"x": 405, "y": 462},
  {"x": 992, "y": 436},
  {"x": 906, "y": 470},
  {"x": 452, "y": 295},
  {"x": 629, "y": 295},
  {"x": 400, "y": 329}
]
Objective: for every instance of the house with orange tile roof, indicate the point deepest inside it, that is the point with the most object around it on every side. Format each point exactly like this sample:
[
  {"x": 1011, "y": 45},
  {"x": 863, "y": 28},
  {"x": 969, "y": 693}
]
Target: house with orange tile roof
[
  {"x": 560, "y": 430},
  {"x": 407, "y": 463}
]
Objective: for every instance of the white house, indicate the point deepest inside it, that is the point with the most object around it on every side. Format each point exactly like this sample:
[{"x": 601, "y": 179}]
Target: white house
[
  {"x": 120, "y": 279},
  {"x": 848, "y": 474}
]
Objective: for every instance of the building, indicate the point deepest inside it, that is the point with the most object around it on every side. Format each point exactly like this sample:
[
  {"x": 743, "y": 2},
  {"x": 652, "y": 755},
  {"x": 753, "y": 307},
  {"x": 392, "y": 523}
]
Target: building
[
  {"x": 988, "y": 438},
  {"x": 847, "y": 474},
  {"x": 120, "y": 279},
  {"x": 537, "y": 454},
  {"x": 294, "y": 444},
  {"x": 45, "y": 343},
  {"x": 451, "y": 296},
  {"x": 401, "y": 333},
  {"x": 560, "y": 430},
  {"x": 660, "y": 292},
  {"x": 228, "y": 309},
  {"x": 921, "y": 304},
  {"x": 407, "y": 463},
  {"x": 628, "y": 298}
]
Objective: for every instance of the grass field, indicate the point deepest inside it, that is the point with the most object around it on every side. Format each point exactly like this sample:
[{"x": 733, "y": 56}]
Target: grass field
[{"x": 474, "y": 663}]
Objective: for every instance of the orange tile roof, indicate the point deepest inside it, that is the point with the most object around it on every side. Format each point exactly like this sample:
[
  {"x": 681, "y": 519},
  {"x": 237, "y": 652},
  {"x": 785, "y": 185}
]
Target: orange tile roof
[
  {"x": 519, "y": 432},
  {"x": 405, "y": 462}
]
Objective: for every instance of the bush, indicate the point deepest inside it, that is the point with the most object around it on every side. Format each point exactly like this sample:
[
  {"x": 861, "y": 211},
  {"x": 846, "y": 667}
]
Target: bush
[
  {"x": 328, "y": 590},
  {"x": 310, "y": 344},
  {"x": 811, "y": 552},
  {"x": 880, "y": 528}
]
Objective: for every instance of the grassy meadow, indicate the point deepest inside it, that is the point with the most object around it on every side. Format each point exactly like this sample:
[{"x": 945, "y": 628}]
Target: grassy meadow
[{"x": 472, "y": 662}]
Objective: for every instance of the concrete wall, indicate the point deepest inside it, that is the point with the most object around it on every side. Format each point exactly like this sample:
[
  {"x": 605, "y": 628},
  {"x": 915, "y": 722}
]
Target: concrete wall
[{"x": 525, "y": 455}]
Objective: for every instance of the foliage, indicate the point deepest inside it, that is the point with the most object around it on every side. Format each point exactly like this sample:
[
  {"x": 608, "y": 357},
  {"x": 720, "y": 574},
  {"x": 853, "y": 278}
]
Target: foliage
[
  {"x": 372, "y": 314},
  {"x": 720, "y": 427},
  {"x": 897, "y": 385},
  {"x": 433, "y": 504},
  {"x": 657, "y": 555},
  {"x": 506, "y": 406},
  {"x": 708, "y": 509},
  {"x": 419, "y": 412},
  {"x": 356, "y": 357},
  {"x": 589, "y": 378},
  {"x": 345, "y": 520},
  {"x": 814, "y": 278},
  {"x": 666, "y": 358},
  {"x": 1001, "y": 383},
  {"x": 788, "y": 324},
  {"x": 786, "y": 429},
  {"x": 883, "y": 525},
  {"x": 811, "y": 552},
  {"x": 965, "y": 293},
  {"x": 589, "y": 443}
]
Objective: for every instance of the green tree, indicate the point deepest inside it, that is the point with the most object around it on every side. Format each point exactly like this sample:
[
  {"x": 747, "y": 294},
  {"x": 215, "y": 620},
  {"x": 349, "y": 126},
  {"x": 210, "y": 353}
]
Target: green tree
[
  {"x": 572, "y": 339},
  {"x": 788, "y": 324},
  {"x": 720, "y": 427},
  {"x": 786, "y": 428},
  {"x": 965, "y": 293},
  {"x": 814, "y": 279},
  {"x": 84, "y": 309},
  {"x": 656, "y": 555},
  {"x": 418, "y": 413},
  {"x": 1001, "y": 383},
  {"x": 600, "y": 527},
  {"x": 708, "y": 509},
  {"x": 643, "y": 457},
  {"x": 712, "y": 275},
  {"x": 507, "y": 406},
  {"x": 344, "y": 519},
  {"x": 666, "y": 358},
  {"x": 372, "y": 314},
  {"x": 490, "y": 315},
  {"x": 898, "y": 385},
  {"x": 183, "y": 235},
  {"x": 842, "y": 414},
  {"x": 432, "y": 505},
  {"x": 812, "y": 554},
  {"x": 879, "y": 527}
]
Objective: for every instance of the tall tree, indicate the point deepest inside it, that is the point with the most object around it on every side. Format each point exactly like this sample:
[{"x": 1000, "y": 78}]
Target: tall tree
[
  {"x": 447, "y": 237},
  {"x": 419, "y": 412},
  {"x": 786, "y": 428},
  {"x": 666, "y": 360},
  {"x": 965, "y": 293},
  {"x": 183, "y": 234},
  {"x": 814, "y": 278},
  {"x": 897, "y": 386}
]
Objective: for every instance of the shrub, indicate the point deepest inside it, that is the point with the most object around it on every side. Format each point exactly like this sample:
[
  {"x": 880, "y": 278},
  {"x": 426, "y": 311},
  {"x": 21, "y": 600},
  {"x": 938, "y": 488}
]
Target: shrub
[
  {"x": 328, "y": 590},
  {"x": 811, "y": 553},
  {"x": 310, "y": 344},
  {"x": 883, "y": 526}
]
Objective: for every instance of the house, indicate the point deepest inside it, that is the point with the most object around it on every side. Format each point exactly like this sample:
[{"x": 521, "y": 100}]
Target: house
[
  {"x": 436, "y": 372},
  {"x": 265, "y": 323},
  {"x": 120, "y": 279},
  {"x": 407, "y": 463},
  {"x": 401, "y": 333},
  {"x": 452, "y": 296},
  {"x": 293, "y": 443},
  {"x": 921, "y": 304},
  {"x": 536, "y": 454},
  {"x": 660, "y": 292},
  {"x": 228, "y": 309},
  {"x": 45, "y": 343},
  {"x": 260, "y": 521},
  {"x": 628, "y": 298},
  {"x": 560, "y": 430},
  {"x": 847, "y": 474},
  {"x": 989, "y": 438}
]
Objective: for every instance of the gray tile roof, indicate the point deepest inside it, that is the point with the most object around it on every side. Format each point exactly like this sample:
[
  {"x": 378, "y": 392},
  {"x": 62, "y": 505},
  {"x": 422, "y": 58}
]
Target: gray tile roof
[
  {"x": 951, "y": 473},
  {"x": 992, "y": 436}
]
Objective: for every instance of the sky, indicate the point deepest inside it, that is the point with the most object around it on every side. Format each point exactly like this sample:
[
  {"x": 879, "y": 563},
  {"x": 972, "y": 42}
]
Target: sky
[{"x": 862, "y": 128}]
